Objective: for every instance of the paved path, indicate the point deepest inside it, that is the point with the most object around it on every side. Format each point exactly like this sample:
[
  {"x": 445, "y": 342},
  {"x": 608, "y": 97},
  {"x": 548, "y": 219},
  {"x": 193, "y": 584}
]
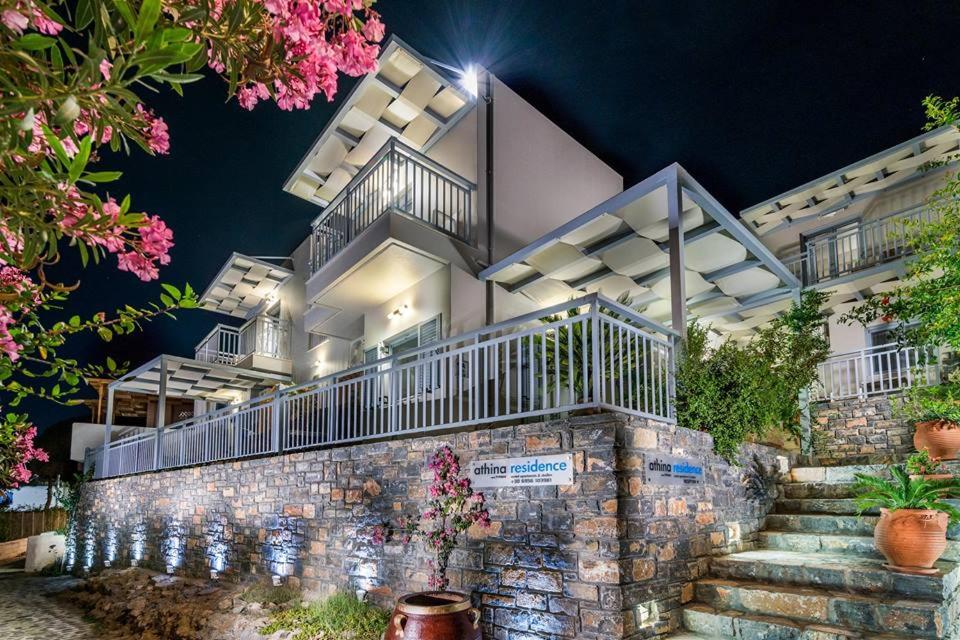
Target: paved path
[{"x": 27, "y": 612}]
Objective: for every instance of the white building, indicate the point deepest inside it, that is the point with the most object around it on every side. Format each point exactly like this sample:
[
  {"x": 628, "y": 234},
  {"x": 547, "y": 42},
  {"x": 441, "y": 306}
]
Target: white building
[{"x": 452, "y": 216}]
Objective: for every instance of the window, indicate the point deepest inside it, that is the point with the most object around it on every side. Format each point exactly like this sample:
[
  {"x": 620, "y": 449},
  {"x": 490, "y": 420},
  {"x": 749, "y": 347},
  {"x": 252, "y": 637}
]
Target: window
[{"x": 420, "y": 335}]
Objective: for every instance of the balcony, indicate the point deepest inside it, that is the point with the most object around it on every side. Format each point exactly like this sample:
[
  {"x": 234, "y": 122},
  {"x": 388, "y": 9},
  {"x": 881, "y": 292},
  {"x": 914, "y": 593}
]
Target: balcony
[
  {"x": 259, "y": 341},
  {"x": 397, "y": 179},
  {"x": 876, "y": 370},
  {"x": 604, "y": 356},
  {"x": 850, "y": 251}
]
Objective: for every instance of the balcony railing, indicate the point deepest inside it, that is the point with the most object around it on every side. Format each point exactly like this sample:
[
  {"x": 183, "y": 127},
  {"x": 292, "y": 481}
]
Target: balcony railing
[
  {"x": 851, "y": 250},
  {"x": 876, "y": 370},
  {"x": 261, "y": 335},
  {"x": 397, "y": 179},
  {"x": 605, "y": 356}
]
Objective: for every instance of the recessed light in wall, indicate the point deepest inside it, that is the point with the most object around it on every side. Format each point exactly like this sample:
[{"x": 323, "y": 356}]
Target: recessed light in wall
[{"x": 398, "y": 312}]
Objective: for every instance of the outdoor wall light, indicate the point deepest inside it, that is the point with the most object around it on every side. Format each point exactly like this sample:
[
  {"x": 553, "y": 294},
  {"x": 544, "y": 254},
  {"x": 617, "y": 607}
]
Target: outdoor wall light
[
  {"x": 110, "y": 546},
  {"x": 277, "y": 580},
  {"x": 469, "y": 80},
  {"x": 398, "y": 312}
]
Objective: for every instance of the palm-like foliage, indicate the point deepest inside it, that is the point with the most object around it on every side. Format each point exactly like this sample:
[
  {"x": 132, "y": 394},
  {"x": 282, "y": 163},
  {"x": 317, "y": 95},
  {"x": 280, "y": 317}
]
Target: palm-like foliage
[{"x": 904, "y": 492}]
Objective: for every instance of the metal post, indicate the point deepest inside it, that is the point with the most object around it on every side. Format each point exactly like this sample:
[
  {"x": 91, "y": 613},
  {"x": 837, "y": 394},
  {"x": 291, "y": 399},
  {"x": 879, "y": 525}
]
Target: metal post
[
  {"x": 803, "y": 399},
  {"x": 108, "y": 421},
  {"x": 161, "y": 413},
  {"x": 595, "y": 353},
  {"x": 678, "y": 289},
  {"x": 275, "y": 422}
]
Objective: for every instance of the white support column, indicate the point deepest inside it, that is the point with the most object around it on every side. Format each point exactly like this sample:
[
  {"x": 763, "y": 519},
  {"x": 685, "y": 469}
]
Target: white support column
[
  {"x": 108, "y": 419},
  {"x": 678, "y": 289},
  {"x": 161, "y": 413},
  {"x": 806, "y": 434}
]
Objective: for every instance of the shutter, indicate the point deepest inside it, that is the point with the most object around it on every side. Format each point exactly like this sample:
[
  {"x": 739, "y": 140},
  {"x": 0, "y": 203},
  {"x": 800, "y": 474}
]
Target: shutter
[
  {"x": 371, "y": 355},
  {"x": 429, "y": 333}
]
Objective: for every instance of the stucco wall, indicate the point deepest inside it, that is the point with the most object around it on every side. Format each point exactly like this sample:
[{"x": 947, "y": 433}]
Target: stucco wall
[{"x": 609, "y": 556}]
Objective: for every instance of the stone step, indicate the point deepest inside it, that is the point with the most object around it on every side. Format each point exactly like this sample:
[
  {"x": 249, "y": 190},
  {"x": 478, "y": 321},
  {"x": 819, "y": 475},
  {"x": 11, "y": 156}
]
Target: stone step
[
  {"x": 841, "y": 572},
  {"x": 800, "y": 490},
  {"x": 708, "y": 622},
  {"x": 822, "y": 523},
  {"x": 834, "y": 543},
  {"x": 845, "y": 474},
  {"x": 812, "y": 605},
  {"x": 837, "y": 506}
]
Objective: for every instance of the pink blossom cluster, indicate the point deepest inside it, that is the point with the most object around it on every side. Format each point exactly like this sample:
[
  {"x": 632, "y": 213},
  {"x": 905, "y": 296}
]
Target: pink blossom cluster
[
  {"x": 21, "y": 454},
  {"x": 155, "y": 130},
  {"x": 314, "y": 48},
  {"x": 8, "y": 346},
  {"x": 26, "y": 14}
]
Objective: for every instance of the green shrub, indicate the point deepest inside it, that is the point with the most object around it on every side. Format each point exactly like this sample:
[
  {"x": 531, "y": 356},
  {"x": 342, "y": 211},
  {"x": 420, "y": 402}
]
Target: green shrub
[
  {"x": 339, "y": 617},
  {"x": 904, "y": 492},
  {"x": 736, "y": 390},
  {"x": 937, "y": 402},
  {"x": 267, "y": 593}
]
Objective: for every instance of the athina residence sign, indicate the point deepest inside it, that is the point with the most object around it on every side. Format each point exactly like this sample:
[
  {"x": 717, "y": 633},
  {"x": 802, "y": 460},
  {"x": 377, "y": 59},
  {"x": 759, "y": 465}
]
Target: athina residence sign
[
  {"x": 670, "y": 470},
  {"x": 531, "y": 470}
]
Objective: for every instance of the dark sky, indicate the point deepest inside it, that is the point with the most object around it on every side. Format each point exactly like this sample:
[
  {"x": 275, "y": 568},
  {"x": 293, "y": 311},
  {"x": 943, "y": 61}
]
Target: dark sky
[{"x": 752, "y": 97}]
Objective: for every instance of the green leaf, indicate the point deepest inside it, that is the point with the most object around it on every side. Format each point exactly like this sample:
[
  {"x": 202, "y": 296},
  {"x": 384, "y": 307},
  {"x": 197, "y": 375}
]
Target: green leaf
[
  {"x": 172, "y": 290},
  {"x": 84, "y": 14},
  {"x": 34, "y": 42},
  {"x": 74, "y": 321},
  {"x": 111, "y": 364},
  {"x": 80, "y": 160},
  {"x": 102, "y": 176},
  {"x": 149, "y": 12},
  {"x": 105, "y": 334}
]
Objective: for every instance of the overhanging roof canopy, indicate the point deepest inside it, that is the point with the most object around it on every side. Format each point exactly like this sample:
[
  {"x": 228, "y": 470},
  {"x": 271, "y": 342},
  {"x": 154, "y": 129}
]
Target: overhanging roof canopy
[
  {"x": 242, "y": 285},
  {"x": 187, "y": 378},
  {"x": 408, "y": 97},
  {"x": 839, "y": 189},
  {"x": 621, "y": 246}
]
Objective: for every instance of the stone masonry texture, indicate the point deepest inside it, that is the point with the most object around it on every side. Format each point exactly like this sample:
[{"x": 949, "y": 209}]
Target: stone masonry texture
[
  {"x": 608, "y": 557},
  {"x": 856, "y": 431}
]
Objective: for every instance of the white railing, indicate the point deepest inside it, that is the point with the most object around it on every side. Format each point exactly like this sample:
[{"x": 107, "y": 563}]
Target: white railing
[
  {"x": 400, "y": 179},
  {"x": 265, "y": 336},
  {"x": 220, "y": 346},
  {"x": 876, "y": 370},
  {"x": 261, "y": 335},
  {"x": 601, "y": 356},
  {"x": 869, "y": 244}
]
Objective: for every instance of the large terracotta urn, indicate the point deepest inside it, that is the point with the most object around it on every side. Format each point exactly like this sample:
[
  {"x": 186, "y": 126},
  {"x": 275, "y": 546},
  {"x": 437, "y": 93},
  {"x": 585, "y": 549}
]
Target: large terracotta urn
[
  {"x": 434, "y": 615},
  {"x": 911, "y": 540},
  {"x": 941, "y": 438}
]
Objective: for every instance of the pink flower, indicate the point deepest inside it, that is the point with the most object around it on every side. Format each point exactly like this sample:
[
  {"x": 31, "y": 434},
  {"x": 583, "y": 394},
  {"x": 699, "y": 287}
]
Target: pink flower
[
  {"x": 43, "y": 24},
  {"x": 157, "y": 239},
  {"x": 14, "y": 20},
  {"x": 7, "y": 344},
  {"x": 105, "y": 66},
  {"x": 155, "y": 131},
  {"x": 373, "y": 29},
  {"x": 141, "y": 266}
]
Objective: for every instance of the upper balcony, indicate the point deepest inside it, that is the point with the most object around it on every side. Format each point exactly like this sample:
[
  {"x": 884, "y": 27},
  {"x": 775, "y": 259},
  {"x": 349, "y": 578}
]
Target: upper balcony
[
  {"x": 401, "y": 180},
  {"x": 261, "y": 343},
  {"x": 858, "y": 247}
]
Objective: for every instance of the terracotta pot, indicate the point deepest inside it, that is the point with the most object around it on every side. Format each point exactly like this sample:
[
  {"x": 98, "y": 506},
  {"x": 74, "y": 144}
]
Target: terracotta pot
[
  {"x": 911, "y": 540},
  {"x": 934, "y": 476},
  {"x": 434, "y": 615},
  {"x": 939, "y": 437}
]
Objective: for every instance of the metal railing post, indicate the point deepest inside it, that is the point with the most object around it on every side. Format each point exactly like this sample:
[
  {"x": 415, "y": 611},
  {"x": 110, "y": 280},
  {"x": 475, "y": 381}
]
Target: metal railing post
[
  {"x": 862, "y": 381},
  {"x": 157, "y": 448},
  {"x": 275, "y": 422},
  {"x": 595, "y": 353}
]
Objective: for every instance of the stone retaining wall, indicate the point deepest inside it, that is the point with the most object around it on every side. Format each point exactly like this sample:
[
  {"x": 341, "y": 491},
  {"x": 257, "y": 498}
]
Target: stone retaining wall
[
  {"x": 857, "y": 430},
  {"x": 610, "y": 556}
]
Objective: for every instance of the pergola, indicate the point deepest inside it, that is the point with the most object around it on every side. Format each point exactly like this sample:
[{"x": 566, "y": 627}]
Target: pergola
[
  {"x": 242, "y": 285},
  {"x": 835, "y": 191},
  {"x": 670, "y": 246},
  {"x": 168, "y": 375}
]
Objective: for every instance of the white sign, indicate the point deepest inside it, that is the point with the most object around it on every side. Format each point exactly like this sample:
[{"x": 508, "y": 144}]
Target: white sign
[
  {"x": 670, "y": 470},
  {"x": 513, "y": 472}
]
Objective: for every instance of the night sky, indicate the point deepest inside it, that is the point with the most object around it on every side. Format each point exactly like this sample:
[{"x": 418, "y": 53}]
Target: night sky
[{"x": 753, "y": 98}]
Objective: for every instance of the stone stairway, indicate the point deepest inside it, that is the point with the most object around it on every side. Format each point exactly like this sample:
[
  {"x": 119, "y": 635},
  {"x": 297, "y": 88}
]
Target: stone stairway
[{"x": 817, "y": 576}]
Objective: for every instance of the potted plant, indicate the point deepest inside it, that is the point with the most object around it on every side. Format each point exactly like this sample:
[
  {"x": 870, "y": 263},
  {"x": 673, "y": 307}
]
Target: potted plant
[
  {"x": 453, "y": 508},
  {"x": 912, "y": 531},
  {"x": 923, "y": 465},
  {"x": 935, "y": 413}
]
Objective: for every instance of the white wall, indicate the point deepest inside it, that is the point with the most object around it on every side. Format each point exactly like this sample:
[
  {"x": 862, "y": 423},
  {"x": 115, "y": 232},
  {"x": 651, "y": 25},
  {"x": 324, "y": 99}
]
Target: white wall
[
  {"x": 542, "y": 176},
  {"x": 426, "y": 299},
  {"x": 292, "y": 299},
  {"x": 457, "y": 149}
]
